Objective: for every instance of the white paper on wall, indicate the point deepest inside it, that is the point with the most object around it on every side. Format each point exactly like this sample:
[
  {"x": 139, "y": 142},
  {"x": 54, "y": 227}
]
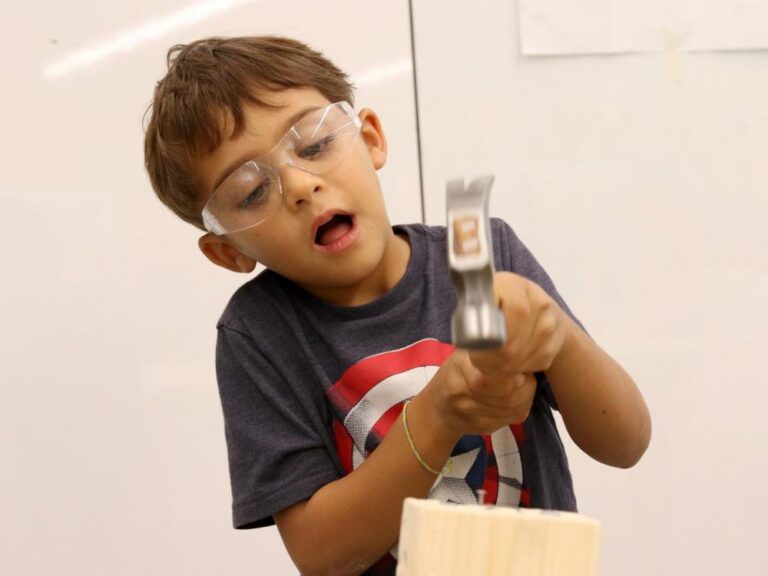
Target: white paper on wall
[{"x": 549, "y": 27}]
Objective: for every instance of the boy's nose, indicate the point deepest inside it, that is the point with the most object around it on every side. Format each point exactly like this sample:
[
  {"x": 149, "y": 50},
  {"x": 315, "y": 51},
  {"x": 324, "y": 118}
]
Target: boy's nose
[{"x": 298, "y": 185}]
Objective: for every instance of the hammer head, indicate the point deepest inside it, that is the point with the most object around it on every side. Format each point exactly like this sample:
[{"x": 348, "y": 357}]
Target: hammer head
[{"x": 477, "y": 322}]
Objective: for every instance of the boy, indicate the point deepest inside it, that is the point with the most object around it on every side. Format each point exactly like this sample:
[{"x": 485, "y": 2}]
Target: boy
[{"x": 341, "y": 392}]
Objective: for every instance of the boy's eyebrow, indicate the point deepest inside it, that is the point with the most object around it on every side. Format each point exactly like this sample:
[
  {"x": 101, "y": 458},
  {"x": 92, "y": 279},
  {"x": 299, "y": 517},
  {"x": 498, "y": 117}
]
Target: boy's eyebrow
[{"x": 242, "y": 160}]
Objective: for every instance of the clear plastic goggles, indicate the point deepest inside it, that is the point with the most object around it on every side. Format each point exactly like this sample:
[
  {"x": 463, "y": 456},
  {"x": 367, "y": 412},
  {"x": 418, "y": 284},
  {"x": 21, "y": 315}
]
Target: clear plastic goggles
[{"x": 316, "y": 144}]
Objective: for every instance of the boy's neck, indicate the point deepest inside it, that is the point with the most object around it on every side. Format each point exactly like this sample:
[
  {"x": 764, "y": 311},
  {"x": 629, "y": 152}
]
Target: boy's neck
[{"x": 392, "y": 268}]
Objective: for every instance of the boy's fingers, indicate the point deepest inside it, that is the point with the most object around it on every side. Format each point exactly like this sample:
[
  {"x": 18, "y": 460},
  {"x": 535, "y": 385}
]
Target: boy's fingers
[{"x": 517, "y": 310}]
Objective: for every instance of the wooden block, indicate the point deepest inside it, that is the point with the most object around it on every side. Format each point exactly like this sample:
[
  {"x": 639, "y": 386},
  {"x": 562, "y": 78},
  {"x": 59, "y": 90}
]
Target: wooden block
[{"x": 443, "y": 539}]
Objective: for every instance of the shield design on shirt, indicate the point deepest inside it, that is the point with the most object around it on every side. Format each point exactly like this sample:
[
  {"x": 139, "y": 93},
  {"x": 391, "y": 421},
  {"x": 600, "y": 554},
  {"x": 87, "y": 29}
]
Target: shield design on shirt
[{"x": 368, "y": 400}]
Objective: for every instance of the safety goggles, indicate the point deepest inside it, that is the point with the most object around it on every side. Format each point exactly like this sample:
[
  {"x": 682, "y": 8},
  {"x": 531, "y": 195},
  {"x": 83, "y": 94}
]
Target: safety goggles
[{"x": 253, "y": 193}]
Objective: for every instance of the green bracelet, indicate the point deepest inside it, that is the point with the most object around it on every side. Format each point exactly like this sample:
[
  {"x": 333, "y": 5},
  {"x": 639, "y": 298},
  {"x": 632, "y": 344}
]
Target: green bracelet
[{"x": 424, "y": 465}]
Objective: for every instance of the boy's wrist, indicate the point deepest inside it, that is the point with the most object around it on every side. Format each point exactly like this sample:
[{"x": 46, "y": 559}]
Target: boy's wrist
[
  {"x": 570, "y": 344},
  {"x": 431, "y": 421}
]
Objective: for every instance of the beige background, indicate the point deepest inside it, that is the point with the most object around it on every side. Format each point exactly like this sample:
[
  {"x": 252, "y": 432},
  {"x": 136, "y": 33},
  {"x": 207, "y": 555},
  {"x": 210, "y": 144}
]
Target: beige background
[
  {"x": 111, "y": 432},
  {"x": 638, "y": 181}
]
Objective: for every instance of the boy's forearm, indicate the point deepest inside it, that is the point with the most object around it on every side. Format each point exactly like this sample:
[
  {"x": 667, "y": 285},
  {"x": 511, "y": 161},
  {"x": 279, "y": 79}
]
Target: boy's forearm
[
  {"x": 602, "y": 408},
  {"x": 349, "y": 524}
]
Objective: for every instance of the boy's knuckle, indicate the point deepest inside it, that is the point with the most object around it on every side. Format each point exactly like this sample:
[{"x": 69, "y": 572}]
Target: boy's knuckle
[
  {"x": 547, "y": 325},
  {"x": 520, "y": 307},
  {"x": 546, "y": 361}
]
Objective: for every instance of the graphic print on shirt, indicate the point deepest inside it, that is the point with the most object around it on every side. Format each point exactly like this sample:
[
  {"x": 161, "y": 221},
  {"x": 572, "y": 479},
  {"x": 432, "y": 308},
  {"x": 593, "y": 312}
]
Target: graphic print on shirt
[{"x": 368, "y": 399}]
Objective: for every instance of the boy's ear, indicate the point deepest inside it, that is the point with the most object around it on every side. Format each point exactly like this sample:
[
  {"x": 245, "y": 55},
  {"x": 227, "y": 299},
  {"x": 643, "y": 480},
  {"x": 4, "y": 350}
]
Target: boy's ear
[
  {"x": 222, "y": 253},
  {"x": 373, "y": 136}
]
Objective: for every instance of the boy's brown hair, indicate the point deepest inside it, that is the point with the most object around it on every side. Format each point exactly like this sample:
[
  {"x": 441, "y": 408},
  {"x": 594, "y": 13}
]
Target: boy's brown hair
[{"x": 209, "y": 79}]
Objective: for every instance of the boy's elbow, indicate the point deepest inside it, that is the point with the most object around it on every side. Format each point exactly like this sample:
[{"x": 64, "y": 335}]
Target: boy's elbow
[
  {"x": 637, "y": 447},
  {"x": 313, "y": 566},
  {"x": 315, "y": 552},
  {"x": 625, "y": 449},
  {"x": 311, "y": 538}
]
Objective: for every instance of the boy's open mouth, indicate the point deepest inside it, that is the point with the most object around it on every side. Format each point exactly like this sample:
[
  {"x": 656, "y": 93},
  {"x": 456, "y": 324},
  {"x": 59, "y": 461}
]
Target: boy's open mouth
[{"x": 333, "y": 230}]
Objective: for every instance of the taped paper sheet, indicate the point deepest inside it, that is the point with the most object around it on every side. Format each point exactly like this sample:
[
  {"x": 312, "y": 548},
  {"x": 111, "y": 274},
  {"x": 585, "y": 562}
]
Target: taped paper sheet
[{"x": 550, "y": 27}]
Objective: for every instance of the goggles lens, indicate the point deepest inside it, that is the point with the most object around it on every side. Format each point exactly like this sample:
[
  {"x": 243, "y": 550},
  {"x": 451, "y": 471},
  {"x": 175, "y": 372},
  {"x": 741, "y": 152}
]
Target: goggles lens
[{"x": 317, "y": 143}]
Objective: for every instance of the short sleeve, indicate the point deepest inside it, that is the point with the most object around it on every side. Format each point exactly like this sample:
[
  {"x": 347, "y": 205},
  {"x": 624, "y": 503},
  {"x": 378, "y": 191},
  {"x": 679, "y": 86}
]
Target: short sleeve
[
  {"x": 276, "y": 458},
  {"x": 512, "y": 255}
]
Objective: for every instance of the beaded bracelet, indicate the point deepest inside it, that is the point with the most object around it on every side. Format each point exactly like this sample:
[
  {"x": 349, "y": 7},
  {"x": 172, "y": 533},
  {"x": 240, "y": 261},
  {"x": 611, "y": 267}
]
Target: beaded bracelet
[{"x": 427, "y": 467}]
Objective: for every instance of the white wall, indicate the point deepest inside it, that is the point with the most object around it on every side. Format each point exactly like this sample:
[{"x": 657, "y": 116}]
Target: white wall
[
  {"x": 110, "y": 427},
  {"x": 640, "y": 183}
]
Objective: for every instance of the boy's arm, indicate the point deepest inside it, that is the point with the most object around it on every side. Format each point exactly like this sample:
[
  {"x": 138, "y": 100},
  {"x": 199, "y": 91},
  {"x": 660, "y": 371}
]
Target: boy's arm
[
  {"x": 602, "y": 408},
  {"x": 349, "y": 524},
  {"x": 473, "y": 392}
]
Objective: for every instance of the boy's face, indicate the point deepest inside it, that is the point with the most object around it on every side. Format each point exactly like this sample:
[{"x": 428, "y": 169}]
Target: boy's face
[{"x": 331, "y": 232}]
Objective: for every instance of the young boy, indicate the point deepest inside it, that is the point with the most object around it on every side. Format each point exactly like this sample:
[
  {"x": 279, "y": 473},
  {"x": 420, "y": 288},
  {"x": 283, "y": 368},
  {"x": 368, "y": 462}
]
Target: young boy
[{"x": 341, "y": 392}]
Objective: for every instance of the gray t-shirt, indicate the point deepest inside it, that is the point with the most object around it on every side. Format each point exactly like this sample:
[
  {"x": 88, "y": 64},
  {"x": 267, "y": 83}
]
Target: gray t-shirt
[{"x": 309, "y": 389}]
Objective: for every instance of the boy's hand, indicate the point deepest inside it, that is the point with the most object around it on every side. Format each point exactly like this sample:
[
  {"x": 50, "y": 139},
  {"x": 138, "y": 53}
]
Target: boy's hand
[
  {"x": 535, "y": 330},
  {"x": 469, "y": 402},
  {"x": 483, "y": 390}
]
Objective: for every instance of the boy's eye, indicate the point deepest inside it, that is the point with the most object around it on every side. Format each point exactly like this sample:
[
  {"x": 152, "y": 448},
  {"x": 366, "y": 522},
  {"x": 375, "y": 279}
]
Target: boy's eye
[
  {"x": 256, "y": 197},
  {"x": 314, "y": 150}
]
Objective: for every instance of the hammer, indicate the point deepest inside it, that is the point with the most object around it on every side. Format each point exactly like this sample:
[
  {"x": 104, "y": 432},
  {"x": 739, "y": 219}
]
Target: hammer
[{"x": 477, "y": 321}]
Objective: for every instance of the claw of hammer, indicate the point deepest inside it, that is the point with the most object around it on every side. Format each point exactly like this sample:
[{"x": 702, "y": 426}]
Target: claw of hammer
[{"x": 477, "y": 322}]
